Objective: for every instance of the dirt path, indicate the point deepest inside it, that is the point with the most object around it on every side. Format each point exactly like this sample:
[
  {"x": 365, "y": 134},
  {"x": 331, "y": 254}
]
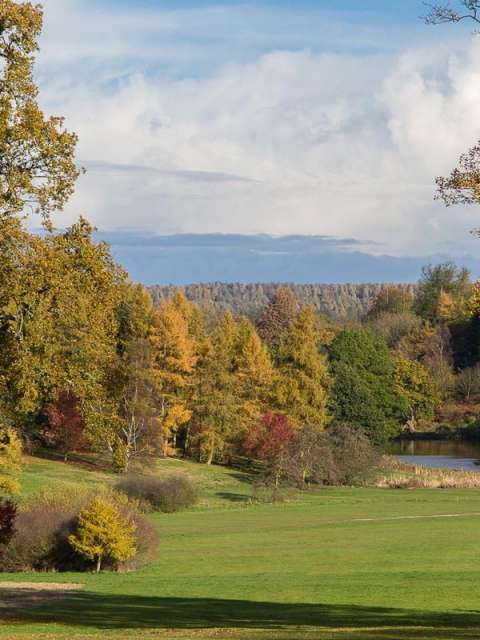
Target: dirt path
[{"x": 14, "y": 595}]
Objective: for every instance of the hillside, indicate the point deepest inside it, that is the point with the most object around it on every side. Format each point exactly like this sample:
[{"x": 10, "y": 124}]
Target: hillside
[{"x": 336, "y": 300}]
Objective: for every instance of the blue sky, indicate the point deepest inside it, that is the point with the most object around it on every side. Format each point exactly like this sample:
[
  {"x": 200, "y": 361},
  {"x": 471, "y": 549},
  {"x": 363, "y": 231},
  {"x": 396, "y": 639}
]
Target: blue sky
[{"x": 326, "y": 117}]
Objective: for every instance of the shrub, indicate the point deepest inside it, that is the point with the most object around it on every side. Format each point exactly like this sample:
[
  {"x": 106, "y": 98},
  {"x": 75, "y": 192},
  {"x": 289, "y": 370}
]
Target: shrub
[
  {"x": 147, "y": 539},
  {"x": 38, "y": 541},
  {"x": 8, "y": 513},
  {"x": 340, "y": 455},
  {"x": 45, "y": 521},
  {"x": 355, "y": 458},
  {"x": 167, "y": 493}
]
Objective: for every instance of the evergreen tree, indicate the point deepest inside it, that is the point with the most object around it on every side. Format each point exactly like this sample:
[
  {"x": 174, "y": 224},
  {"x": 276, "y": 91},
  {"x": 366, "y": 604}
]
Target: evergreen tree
[{"x": 364, "y": 391}]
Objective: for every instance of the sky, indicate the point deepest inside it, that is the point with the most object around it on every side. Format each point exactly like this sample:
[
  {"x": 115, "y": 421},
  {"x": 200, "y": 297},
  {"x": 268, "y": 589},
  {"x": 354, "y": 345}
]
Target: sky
[{"x": 280, "y": 117}]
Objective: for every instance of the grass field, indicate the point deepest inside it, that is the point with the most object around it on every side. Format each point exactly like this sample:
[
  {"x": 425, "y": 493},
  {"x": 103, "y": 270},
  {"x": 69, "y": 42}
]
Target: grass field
[{"x": 334, "y": 564}]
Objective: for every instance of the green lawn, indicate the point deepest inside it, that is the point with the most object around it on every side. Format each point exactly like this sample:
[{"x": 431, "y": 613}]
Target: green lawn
[{"x": 316, "y": 567}]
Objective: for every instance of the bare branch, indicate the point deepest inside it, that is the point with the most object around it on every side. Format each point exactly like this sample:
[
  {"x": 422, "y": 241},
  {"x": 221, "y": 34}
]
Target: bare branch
[{"x": 444, "y": 13}]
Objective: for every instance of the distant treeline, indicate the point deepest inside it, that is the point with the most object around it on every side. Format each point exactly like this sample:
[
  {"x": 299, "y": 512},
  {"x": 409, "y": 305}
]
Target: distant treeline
[{"x": 350, "y": 301}]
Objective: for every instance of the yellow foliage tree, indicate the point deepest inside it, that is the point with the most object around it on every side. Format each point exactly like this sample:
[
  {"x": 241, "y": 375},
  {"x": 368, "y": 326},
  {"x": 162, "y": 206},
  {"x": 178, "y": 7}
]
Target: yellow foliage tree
[
  {"x": 302, "y": 381},
  {"x": 253, "y": 371},
  {"x": 103, "y": 534},
  {"x": 10, "y": 461},
  {"x": 37, "y": 168},
  {"x": 174, "y": 358}
]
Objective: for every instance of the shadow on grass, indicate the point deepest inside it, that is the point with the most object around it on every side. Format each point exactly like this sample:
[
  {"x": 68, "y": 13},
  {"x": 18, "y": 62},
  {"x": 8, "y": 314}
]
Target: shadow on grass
[
  {"x": 135, "y": 612},
  {"x": 234, "y": 497},
  {"x": 246, "y": 477}
]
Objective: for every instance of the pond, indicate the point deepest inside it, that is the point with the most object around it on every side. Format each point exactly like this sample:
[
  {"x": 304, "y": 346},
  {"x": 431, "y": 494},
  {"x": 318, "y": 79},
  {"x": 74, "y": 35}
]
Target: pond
[{"x": 444, "y": 454}]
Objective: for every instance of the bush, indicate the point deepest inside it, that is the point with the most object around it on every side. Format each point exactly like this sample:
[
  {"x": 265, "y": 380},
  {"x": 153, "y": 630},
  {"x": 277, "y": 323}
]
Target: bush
[
  {"x": 46, "y": 520},
  {"x": 168, "y": 494},
  {"x": 356, "y": 459},
  {"x": 8, "y": 513},
  {"x": 38, "y": 543}
]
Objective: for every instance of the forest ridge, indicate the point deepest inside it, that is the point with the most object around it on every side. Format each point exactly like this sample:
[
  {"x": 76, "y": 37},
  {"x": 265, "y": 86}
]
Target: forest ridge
[{"x": 350, "y": 301}]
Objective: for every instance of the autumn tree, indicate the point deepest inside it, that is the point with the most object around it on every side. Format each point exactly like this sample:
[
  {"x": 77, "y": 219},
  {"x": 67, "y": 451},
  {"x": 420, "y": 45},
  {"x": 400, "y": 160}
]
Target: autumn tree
[
  {"x": 414, "y": 383},
  {"x": 58, "y": 325},
  {"x": 277, "y": 316},
  {"x": 253, "y": 370},
  {"x": 10, "y": 461},
  {"x": 131, "y": 431},
  {"x": 268, "y": 440},
  {"x": 364, "y": 393},
  {"x": 216, "y": 401},
  {"x": 65, "y": 427},
  {"x": 174, "y": 358},
  {"x": 37, "y": 169},
  {"x": 103, "y": 534},
  {"x": 443, "y": 292},
  {"x": 395, "y": 328},
  {"x": 393, "y": 300},
  {"x": 302, "y": 382}
]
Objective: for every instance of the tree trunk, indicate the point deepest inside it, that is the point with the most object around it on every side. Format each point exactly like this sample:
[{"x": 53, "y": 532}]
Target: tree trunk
[
  {"x": 99, "y": 563},
  {"x": 210, "y": 455}
]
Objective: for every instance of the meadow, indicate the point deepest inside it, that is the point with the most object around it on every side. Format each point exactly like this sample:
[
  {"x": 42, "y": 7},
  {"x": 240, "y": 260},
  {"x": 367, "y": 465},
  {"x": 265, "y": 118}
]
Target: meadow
[{"x": 349, "y": 563}]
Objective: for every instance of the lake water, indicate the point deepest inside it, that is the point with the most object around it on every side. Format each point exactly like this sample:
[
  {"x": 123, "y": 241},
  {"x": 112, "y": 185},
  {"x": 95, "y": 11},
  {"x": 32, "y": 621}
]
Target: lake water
[{"x": 444, "y": 454}]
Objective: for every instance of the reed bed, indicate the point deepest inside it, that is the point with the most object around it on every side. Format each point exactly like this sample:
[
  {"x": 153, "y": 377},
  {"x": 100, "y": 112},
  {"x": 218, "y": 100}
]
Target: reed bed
[{"x": 396, "y": 475}]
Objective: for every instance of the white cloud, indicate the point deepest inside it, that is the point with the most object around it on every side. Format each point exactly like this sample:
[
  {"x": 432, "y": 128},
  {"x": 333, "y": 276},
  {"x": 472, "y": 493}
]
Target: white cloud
[{"x": 297, "y": 140}]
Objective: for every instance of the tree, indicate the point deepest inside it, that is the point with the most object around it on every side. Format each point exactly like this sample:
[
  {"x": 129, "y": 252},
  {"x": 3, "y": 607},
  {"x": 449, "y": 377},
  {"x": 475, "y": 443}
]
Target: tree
[
  {"x": 467, "y": 382},
  {"x": 395, "y": 327},
  {"x": 302, "y": 383},
  {"x": 391, "y": 299},
  {"x": 414, "y": 383},
  {"x": 174, "y": 358},
  {"x": 139, "y": 429},
  {"x": 103, "y": 534},
  {"x": 135, "y": 315},
  {"x": 442, "y": 13},
  {"x": 57, "y": 321},
  {"x": 364, "y": 391},
  {"x": 65, "y": 428},
  {"x": 37, "y": 168},
  {"x": 10, "y": 460},
  {"x": 216, "y": 400},
  {"x": 268, "y": 441},
  {"x": 253, "y": 371},
  {"x": 443, "y": 292},
  {"x": 132, "y": 430},
  {"x": 277, "y": 316}
]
